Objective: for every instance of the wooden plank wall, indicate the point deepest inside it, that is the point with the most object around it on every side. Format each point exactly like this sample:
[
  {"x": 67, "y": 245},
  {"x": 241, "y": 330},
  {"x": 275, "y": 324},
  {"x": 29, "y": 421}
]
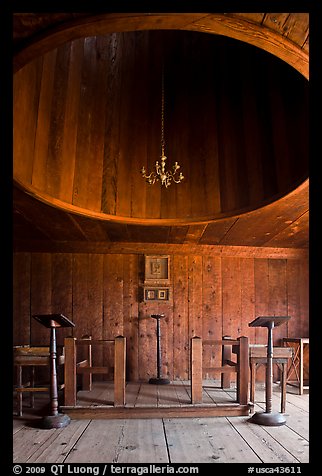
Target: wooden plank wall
[{"x": 212, "y": 296}]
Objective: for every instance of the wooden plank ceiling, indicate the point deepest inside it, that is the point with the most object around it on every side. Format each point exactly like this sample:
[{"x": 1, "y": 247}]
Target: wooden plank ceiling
[{"x": 281, "y": 224}]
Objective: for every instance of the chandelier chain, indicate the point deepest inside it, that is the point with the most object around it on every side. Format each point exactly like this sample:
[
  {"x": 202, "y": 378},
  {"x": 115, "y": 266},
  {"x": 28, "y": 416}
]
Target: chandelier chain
[
  {"x": 161, "y": 174},
  {"x": 162, "y": 114}
]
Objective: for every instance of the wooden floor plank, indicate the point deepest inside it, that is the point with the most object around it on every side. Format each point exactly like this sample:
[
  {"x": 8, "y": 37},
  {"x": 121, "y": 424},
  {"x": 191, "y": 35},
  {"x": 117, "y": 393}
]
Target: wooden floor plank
[
  {"x": 59, "y": 444},
  {"x": 182, "y": 392},
  {"x": 218, "y": 395},
  {"x": 121, "y": 441},
  {"x": 266, "y": 447},
  {"x": 99, "y": 442},
  {"x": 102, "y": 393},
  {"x": 131, "y": 393},
  {"x": 206, "y": 441},
  {"x": 222, "y": 435},
  {"x": 28, "y": 440},
  {"x": 17, "y": 425},
  {"x": 167, "y": 395},
  {"x": 143, "y": 441},
  {"x": 291, "y": 441},
  {"x": 148, "y": 395}
]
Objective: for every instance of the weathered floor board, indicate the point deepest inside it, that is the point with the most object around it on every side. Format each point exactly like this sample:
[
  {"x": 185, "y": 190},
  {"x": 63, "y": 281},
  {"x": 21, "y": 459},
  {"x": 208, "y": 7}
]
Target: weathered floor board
[{"x": 232, "y": 439}]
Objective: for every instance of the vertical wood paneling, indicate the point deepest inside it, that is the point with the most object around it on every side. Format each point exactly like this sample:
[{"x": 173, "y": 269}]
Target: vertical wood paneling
[
  {"x": 180, "y": 317},
  {"x": 39, "y": 173},
  {"x": 112, "y": 124},
  {"x": 113, "y": 302},
  {"x": 195, "y": 296},
  {"x": 212, "y": 310},
  {"x": 126, "y": 125},
  {"x": 25, "y": 114},
  {"x": 231, "y": 296},
  {"x": 113, "y": 295},
  {"x": 228, "y": 127},
  {"x": 56, "y": 129},
  {"x": 253, "y": 145},
  {"x": 293, "y": 280},
  {"x": 279, "y": 133},
  {"x": 68, "y": 151},
  {"x": 21, "y": 301},
  {"x": 136, "y": 141},
  {"x": 41, "y": 286},
  {"x": 89, "y": 153},
  {"x": 153, "y": 127},
  {"x": 177, "y": 126},
  {"x": 212, "y": 296},
  {"x": 88, "y": 301},
  {"x": 304, "y": 299},
  {"x": 167, "y": 338},
  {"x": 261, "y": 296},
  {"x": 97, "y": 125},
  {"x": 247, "y": 280},
  {"x": 62, "y": 290},
  {"x": 147, "y": 341},
  {"x": 131, "y": 316},
  {"x": 261, "y": 304},
  {"x": 277, "y": 304}
]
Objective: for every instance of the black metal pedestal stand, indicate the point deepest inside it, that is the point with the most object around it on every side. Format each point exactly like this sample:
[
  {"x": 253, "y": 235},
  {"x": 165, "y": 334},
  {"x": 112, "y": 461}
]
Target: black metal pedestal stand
[
  {"x": 159, "y": 380},
  {"x": 52, "y": 321},
  {"x": 268, "y": 418}
]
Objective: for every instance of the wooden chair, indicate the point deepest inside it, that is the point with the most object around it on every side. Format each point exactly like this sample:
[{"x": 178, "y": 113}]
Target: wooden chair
[
  {"x": 25, "y": 356},
  {"x": 258, "y": 357}
]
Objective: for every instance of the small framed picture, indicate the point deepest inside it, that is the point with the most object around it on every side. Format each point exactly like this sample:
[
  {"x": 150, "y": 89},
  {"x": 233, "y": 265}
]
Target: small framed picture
[
  {"x": 163, "y": 294},
  {"x": 157, "y": 269},
  {"x": 150, "y": 294}
]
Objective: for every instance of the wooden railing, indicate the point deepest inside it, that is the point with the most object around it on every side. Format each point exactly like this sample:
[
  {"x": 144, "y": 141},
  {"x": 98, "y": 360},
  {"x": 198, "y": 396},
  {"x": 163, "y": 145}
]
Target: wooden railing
[
  {"x": 86, "y": 369},
  {"x": 241, "y": 366}
]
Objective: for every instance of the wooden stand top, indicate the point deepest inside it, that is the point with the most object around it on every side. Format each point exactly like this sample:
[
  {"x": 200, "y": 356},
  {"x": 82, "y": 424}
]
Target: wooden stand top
[
  {"x": 278, "y": 352},
  {"x": 304, "y": 340},
  {"x": 53, "y": 320},
  {"x": 265, "y": 321}
]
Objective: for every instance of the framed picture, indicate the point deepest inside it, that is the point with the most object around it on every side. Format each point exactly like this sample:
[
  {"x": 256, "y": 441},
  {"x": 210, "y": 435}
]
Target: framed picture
[
  {"x": 156, "y": 294},
  {"x": 150, "y": 294},
  {"x": 157, "y": 269}
]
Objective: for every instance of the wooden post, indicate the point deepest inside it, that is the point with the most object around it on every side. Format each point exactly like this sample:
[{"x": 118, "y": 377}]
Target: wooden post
[
  {"x": 226, "y": 355},
  {"x": 119, "y": 371},
  {"x": 242, "y": 371},
  {"x": 70, "y": 371},
  {"x": 196, "y": 370},
  {"x": 87, "y": 377}
]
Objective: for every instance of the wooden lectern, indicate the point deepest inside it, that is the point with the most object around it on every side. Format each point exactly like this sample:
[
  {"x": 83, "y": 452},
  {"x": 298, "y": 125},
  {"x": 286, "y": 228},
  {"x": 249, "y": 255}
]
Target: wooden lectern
[
  {"x": 53, "y": 321},
  {"x": 268, "y": 418}
]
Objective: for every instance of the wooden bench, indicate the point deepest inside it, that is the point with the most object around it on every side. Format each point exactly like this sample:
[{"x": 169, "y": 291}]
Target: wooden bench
[
  {"x": 240, "y": 366},
  {"x": 87, "y": 369}
]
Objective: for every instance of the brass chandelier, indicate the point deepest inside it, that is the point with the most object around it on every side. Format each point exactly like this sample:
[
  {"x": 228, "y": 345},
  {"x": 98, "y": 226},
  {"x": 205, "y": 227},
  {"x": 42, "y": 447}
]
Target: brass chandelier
[{"x": 160, "y": 174}]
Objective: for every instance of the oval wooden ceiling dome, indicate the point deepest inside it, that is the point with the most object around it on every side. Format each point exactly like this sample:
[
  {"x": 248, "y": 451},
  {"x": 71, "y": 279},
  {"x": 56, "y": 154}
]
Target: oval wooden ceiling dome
[
  {"x": 87, "y": 117},
  {"x": 49, "y": 42}
]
